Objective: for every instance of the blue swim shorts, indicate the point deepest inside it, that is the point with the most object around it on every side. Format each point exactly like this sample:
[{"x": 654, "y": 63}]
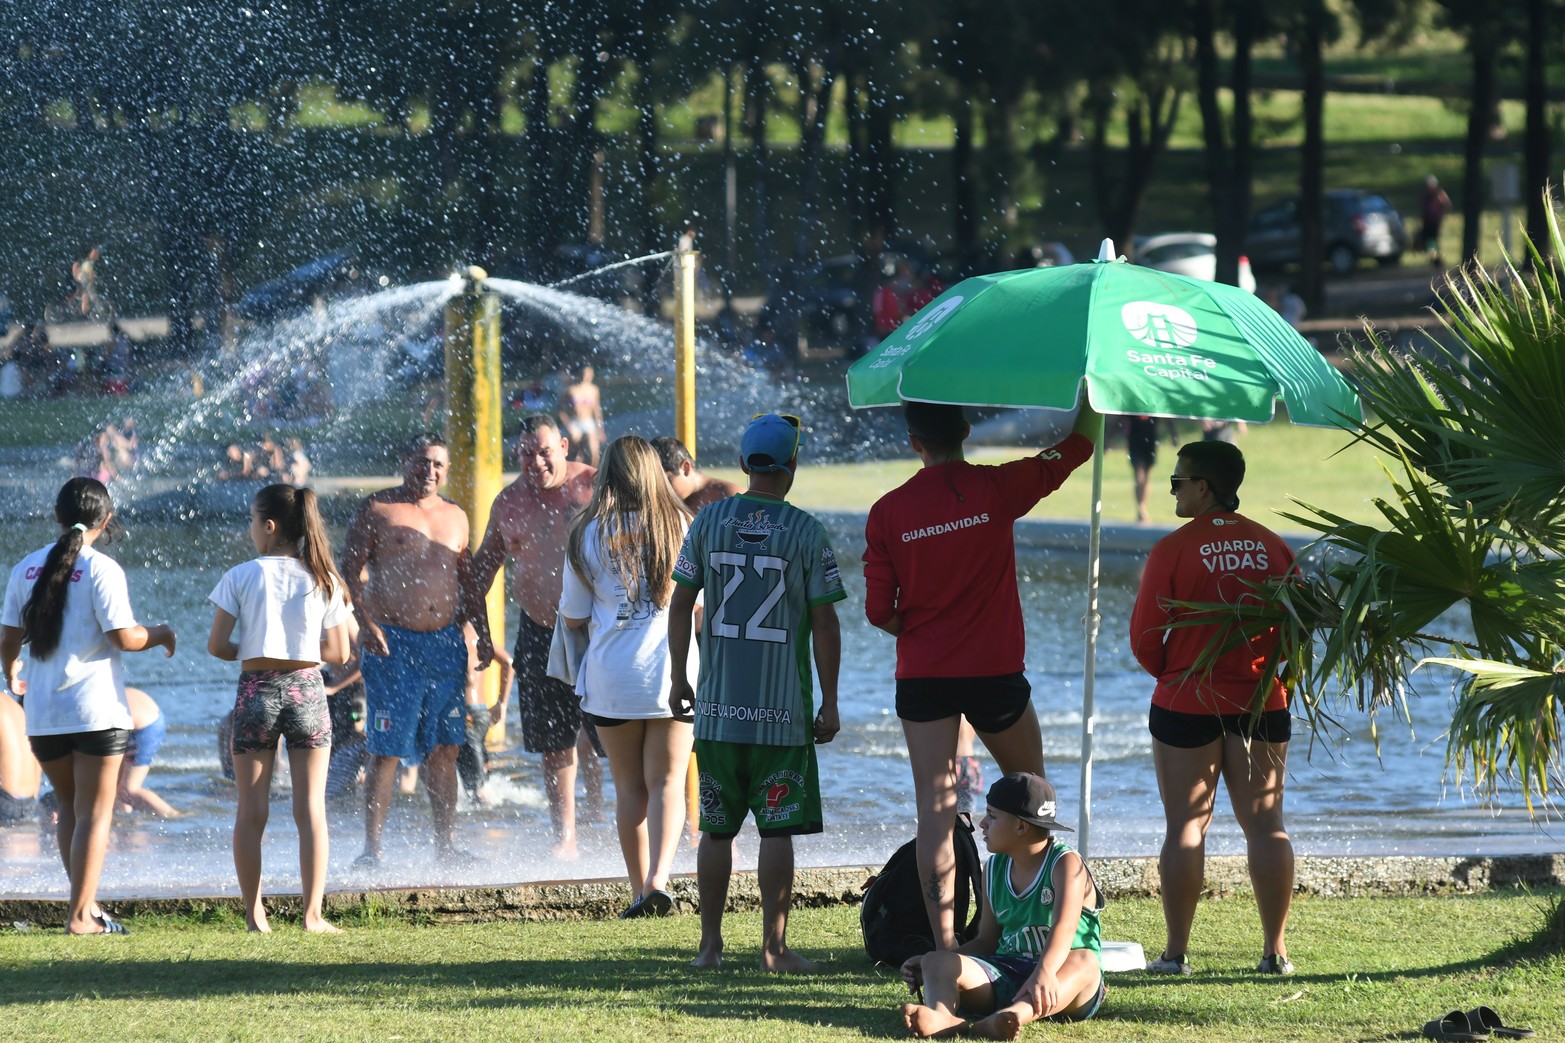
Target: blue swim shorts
[
  {"x": 415, "y": 696},
  {"x": 145, "y": 742}
]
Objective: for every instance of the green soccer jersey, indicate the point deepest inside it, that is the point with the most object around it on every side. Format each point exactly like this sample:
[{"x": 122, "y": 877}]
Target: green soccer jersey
[
  {"x": 1026, "y": 918},
  {"x": 763, "y": 564}
]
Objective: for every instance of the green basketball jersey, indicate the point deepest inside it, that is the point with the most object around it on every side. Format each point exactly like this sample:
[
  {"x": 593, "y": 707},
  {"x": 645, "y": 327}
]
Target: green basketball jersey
[
  {"x": 763, "y": 565},
  {"x": 1026, "y": 918}
]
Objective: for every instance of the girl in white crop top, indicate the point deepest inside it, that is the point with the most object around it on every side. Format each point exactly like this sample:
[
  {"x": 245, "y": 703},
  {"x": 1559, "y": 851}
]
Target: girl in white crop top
[{"x": 291, "y": 611}]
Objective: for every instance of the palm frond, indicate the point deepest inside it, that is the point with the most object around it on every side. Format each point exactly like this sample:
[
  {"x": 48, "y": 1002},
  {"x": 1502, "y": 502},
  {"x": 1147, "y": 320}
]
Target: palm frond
[{"x": 1507, "y": 727}]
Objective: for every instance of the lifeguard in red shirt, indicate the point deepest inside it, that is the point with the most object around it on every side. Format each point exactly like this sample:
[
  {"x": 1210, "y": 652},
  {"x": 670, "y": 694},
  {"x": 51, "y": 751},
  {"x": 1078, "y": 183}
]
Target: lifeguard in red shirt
[
  {"x": 940, "y": 574},
  {"x": 1201, "y": 720}
]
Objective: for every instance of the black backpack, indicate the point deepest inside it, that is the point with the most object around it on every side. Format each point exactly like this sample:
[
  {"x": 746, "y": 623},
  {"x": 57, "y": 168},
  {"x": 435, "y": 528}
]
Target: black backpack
[{"x": 892, "y": 915}]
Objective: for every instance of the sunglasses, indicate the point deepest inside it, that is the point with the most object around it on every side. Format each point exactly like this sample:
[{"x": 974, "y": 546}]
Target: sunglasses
[{"x": 1175, "y": 479}]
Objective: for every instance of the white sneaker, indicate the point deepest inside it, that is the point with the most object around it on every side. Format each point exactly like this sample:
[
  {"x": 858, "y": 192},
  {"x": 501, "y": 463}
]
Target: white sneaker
[{"x": 1166, "y": 964}]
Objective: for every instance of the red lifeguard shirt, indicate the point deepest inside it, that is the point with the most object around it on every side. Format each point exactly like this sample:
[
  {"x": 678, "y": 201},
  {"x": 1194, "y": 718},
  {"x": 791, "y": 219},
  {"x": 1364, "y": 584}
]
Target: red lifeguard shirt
[
  {"x": 1210, "y": 558},
  {"x": 941, "y": 550}
]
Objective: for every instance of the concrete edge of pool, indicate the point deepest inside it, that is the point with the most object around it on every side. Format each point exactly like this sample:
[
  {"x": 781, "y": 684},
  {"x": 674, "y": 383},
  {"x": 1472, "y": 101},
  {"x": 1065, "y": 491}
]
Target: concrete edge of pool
[{"x": 1226, "y": 875}]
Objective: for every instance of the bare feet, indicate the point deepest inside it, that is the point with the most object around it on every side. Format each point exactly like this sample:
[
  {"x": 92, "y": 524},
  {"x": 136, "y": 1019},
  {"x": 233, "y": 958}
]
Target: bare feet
[
  {"x": 928, "y": 1023},
  {"x": 709, "y": 957},
  {"x": 566, "y": 850},
  {"x": 1002, "y": 1024},
  {"x": 258, "y": 924},
  {"x": 787, "y": 962},
  {"x": 320, "y": 926}
]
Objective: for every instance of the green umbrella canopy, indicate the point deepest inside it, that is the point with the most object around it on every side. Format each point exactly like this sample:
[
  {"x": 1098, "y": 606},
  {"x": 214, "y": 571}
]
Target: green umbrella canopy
[{"x": 1147, "y": 342}]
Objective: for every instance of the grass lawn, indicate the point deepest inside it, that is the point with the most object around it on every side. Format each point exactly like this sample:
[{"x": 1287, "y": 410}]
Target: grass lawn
[{"x": 1369, "y": 969}]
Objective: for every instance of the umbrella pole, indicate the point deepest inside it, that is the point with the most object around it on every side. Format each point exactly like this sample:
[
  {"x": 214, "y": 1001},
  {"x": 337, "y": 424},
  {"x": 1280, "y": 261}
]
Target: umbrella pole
[{"x": 1090, "y": 622}]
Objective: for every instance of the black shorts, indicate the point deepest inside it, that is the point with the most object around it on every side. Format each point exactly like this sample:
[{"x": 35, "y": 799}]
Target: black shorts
[
  {"x": 990, "y": 704},
  {"x": 550, "y": 709},
  {"x": 109, "y": 742},
  {"x": 1188, "y": 731}
]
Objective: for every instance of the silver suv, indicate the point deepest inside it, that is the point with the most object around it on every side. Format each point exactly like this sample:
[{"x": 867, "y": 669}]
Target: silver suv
[{"x": 1357, "y": 225}]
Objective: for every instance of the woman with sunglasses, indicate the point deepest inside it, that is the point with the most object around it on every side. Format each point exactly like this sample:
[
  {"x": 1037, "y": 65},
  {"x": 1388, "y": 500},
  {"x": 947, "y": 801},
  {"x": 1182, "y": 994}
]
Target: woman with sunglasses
[{"x": 1228, "y": 720}]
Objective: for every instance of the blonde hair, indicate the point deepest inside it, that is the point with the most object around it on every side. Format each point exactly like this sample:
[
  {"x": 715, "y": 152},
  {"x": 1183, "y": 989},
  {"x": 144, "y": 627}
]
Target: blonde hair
[{"x": 640, "y": 550}]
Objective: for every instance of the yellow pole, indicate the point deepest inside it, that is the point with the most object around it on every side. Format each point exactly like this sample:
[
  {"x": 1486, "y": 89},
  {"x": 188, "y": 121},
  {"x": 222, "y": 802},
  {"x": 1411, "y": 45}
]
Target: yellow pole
[
  {"x": 473, "y": 430},
  {"x": 685, "y": 430},
  {"x": 685, "y": 347}
]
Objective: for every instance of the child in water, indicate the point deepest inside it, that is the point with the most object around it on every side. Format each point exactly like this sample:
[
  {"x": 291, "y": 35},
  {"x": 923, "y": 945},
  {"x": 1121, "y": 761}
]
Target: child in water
[{"x": 292, "y": 613}]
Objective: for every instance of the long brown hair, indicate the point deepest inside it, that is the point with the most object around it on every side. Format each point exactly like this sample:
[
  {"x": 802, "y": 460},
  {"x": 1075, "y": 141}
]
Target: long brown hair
[
  {"x": 82, "y": 503},
  {"x": 298, "y": 521},
  {"x": 630, "y": 481}
]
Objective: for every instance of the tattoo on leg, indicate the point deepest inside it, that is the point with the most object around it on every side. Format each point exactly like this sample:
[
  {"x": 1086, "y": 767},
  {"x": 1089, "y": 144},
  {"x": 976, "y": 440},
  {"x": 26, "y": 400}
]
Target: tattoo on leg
[{"x": 933, "y": 888}]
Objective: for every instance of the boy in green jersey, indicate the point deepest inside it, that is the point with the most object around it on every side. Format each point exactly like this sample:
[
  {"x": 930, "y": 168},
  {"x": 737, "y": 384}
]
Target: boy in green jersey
[
  {"x": 771, "y": 582},
  {"x": 1038, "y": 953}
]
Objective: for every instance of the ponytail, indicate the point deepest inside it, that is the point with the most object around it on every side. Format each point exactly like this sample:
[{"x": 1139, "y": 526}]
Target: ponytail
[
  {"x": 298, "y": 519},
  {"x": 83, "y": 504}
]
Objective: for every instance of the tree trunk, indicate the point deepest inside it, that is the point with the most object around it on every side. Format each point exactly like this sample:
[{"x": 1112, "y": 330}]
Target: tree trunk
[
  {"x": 1479, "y": 119},
  {"x": 964, "y": 176},
  {"x": 1219, "y": 172},
  {"x": 1537, "y": 148},
  {"x": 756, "y": 91},
  {"x": 814, "y": 100},
  {"x": 1234, "y": 220},
  {"x": 882, "y": 160},
  {"x": 539, "y": 224},
  {"x": 1312, "y": 158},
  {"x": 650, "y": 232}
]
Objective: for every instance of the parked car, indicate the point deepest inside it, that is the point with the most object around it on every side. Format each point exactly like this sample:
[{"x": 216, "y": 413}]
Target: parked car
[
  {"x": 836, "y": 293},
  {"x": 1355, "y": 225},
  {"x": 325, "y": 278},
  {"x": 1193, "y": 254}
]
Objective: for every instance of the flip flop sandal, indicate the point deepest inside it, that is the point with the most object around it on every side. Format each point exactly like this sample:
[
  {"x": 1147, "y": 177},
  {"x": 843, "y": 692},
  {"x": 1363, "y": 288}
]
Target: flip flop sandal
[
  {"x": 657, "y": 902},
  {"x": 1454, "y": 1026},
  {"x": 1488, "y": 1019}
]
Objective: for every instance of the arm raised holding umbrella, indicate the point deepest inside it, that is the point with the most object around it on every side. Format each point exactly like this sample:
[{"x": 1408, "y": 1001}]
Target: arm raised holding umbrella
[{"x": 940, "y": 574}]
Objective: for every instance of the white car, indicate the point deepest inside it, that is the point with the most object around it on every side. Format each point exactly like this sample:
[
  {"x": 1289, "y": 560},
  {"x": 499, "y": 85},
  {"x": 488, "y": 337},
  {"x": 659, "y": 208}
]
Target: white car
[{"x": 1188, "y": 253}]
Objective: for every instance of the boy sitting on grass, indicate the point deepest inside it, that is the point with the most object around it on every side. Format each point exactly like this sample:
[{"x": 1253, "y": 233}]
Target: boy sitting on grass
[{"x": 1038, "y": 949}]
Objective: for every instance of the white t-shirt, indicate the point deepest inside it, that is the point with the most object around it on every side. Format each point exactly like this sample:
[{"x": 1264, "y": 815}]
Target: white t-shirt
[
  {"x": 625, "y": 672},
  {"x": 281, "y": 612},
  {"x": 80, "y": 687}
]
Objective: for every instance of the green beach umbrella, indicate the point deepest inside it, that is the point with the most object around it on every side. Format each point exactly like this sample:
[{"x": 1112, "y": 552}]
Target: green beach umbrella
[{"x": 1144, "y": 342}]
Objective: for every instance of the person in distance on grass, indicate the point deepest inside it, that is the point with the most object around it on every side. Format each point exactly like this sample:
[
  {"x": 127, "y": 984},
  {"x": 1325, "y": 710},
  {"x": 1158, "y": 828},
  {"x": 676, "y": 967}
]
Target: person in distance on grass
[
  {"x": 940, "y": 575},
  {"x": 1204, "y": 723},
  {"x": 771, "y": 584},
  {"x": 690, "y": 484},
  {"x": 1038, "y": 953}
]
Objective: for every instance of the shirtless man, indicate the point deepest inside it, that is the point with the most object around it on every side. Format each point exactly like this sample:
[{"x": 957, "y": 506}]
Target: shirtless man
[
  {"x": 690, "y": 484},
  {"x": 528, "y": 524},
  {"x": 413, "y": 545},
  {"x": 581, "y": 411}
]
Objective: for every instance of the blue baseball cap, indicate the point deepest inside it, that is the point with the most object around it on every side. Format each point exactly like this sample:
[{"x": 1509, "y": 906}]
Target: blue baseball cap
[{"x": 770, "y": 442}]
